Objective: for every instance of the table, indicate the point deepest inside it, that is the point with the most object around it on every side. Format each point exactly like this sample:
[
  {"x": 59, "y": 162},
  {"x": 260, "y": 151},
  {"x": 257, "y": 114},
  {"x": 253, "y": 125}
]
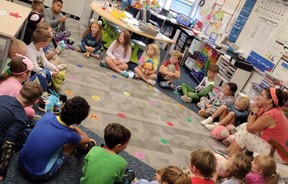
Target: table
[
  {"x": 109, "y": 17},
  {"x": 12, "y": 17}
]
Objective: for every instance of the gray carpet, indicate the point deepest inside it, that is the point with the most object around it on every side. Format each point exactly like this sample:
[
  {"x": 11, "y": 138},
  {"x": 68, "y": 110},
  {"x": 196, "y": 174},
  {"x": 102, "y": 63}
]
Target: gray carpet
[{"x": 72, "y": 169}]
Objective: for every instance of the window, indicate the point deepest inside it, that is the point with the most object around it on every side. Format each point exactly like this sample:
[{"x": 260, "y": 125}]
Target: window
[{"x": 182, "y": 6}]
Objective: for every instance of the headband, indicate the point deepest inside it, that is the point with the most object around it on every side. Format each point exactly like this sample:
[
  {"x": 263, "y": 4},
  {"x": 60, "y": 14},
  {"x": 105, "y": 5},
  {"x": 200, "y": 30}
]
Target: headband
[
  {"x": 274, "y": 96},
  {"x": 28, "y": 64}
]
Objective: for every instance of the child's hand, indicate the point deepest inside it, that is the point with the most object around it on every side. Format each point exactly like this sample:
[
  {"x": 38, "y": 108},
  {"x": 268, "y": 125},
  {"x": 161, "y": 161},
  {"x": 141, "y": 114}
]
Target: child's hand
[
  {"x": 62, "y": 19},
  {"x": 54, "y": 74}
]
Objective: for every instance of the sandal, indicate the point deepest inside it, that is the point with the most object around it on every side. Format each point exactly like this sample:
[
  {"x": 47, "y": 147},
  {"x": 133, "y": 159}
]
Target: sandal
[{"x": 164, "y": 84}]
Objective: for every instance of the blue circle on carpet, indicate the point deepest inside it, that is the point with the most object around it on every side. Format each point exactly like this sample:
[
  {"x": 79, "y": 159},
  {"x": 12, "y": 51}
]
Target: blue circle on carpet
[
  {"x": 80, "y": 66},
  {"x": 114, "y": 76}
]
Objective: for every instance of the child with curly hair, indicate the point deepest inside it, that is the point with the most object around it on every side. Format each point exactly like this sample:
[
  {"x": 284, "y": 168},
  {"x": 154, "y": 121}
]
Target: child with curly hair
[{"x": 91, "y": 43}]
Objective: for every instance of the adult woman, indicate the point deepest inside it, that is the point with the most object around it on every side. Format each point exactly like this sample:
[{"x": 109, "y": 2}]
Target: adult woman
[{"x": 265, "y": 121}]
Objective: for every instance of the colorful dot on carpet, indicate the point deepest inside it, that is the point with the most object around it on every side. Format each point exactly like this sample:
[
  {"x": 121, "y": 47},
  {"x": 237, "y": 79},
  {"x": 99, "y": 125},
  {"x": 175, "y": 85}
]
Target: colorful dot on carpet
[
  {"x": 93, "y": 116},
  {"x": 139, "y": 155},
  {"x": 113, "y": 76},
  {"x": 181, "y": 106},
  {"x": 69, "y": 93},
  {"x": 151, "y": 87},
  {"x": 126, "y": 93},
  {"x": 164, "y": 141},
  {"x": 96, "y": 97},
  {"x": 154, "y": 102},
  {"x": 170, "y": 124},
  {"x": 73, "y": 77},
  {"x": 121, "y": 115},
  {"x": 189, "y": 119},
  {"x": 80, "y": 66}
]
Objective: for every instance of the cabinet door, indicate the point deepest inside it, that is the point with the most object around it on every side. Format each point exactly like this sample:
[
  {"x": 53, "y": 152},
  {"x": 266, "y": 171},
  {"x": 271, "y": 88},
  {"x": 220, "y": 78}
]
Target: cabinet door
[
  {"x": 48, "y": 3},
  {"x": 75, "y": 7}
]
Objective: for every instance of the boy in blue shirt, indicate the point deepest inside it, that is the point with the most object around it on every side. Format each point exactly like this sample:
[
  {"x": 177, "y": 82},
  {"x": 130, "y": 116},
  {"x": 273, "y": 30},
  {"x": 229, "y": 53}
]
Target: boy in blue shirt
[{"x": 53, "y": 139}]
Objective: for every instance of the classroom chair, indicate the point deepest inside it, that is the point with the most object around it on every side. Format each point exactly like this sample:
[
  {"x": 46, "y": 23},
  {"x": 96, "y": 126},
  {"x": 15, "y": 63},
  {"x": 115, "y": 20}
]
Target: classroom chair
[
  {"x": 109, "y": 33},
  {"x": 137, "y": 45}
]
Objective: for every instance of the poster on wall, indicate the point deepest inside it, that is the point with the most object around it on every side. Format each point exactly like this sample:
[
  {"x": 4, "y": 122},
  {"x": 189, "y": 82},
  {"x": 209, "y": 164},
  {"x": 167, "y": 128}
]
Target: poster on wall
[{"x": 241, "y": 20}]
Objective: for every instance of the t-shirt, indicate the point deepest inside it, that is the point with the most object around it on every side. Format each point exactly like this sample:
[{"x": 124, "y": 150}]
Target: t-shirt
[
  {"x": 48, "y": 136},
  {"x": 10, "y": 87},
  {"x": 13, "y": 119},
  {"x": 254, "y": 178},
  {"x": 33, "y": 19},
  {"x": 52, "y": 19},
  {"x": 196, "y": 180},
  {"x": 231, "y": 181},
  {"x": 38, "y": 58},
  {"x": 204, "y": 83},
  {"x": 118, "y": 52},
  {"x": 144, "y": 58},
  {"x": 167, "y": 62},
  {"x": 102, "y": 167},
  {"x": 279, "y": 132}
]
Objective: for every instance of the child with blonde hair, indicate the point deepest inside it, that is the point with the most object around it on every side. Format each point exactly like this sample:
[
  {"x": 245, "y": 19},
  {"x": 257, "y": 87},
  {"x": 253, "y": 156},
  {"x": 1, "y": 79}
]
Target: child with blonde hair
[
  {"x": 203, "y": 166},
  {"x": 263, "y": 171},
  {"x": 239, "y": 166},
  {"x": 170, "y": 70},
  {"x": 35, "y": 17},
  {"x": 148, "y": 64},
  {"x": 118, "y": 54},
  {"x": 229, "y": 114},
  {"x": 91, "y": 42}
]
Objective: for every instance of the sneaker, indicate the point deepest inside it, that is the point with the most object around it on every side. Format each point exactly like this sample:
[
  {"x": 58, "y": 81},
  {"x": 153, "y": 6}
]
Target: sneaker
[
  {"x": 186, "y": 99},
  {"x": 179, "y": 88},
  {"x": 103, "y": 63},
  {"x": 124, "y": 73},
  {"x": 203, "y": 113},
  {"x": 164, "y": 84},
  {"x": 172, "y": 87},
  {"x": 84, "y": 151},
  {"x": 207, "y": 121},
  {"x": 136, "y": 76},
  {"x": 151, "y": 82},
  {"x": 62, "y": 67},
  {"x": 211, "y": 126}
]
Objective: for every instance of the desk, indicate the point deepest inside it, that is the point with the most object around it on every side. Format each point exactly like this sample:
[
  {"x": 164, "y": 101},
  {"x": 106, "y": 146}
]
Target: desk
[
  {"x": 11, "y": 24},
  {"x": 109, "y": 17}
]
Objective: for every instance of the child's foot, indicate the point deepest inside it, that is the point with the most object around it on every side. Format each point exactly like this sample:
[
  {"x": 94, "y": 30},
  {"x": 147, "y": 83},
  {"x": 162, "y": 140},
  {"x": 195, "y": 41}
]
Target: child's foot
[
  {"x": 136, "y": 76},
  {"x": 164, "y": 84},
  {"x": 203, "y": 113},
  {"x": 179, "y": 89},
  {"x": 124, "y": 73},
  {"x": 151, "y": 82},
  {"x": 172, "y": 87},
  {"x": 207, "y": 121},
  {"x": 78, "y": 49},
  {"x": 103, "y": 63},
  {"x": 97, "y": 56},
  {"x": 186, "y": 99},
  {"x": 84, "y": 151},
  {"x": 211, "y": 126}
]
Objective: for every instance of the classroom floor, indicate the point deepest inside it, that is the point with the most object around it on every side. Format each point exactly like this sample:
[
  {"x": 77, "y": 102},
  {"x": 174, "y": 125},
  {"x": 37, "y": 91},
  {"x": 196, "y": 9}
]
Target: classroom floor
[{"x": 164, "y": 132}]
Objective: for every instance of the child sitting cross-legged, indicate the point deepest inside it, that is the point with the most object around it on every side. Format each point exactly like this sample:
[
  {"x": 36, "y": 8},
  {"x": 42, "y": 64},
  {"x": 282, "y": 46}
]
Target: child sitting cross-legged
[
  {"x": 91, "y": 43},
  {"x": 148, "y": 64},
  {"x": 118, "y": 54},
  {"x": 53, "y": 139},
  {"x": 229, "y": 114},
  {"x": 209, "y": 106},
  {"x": 104, "y": 165},
  {"x": 205, "y": 86},
  {"x": 170, "y": 70}
]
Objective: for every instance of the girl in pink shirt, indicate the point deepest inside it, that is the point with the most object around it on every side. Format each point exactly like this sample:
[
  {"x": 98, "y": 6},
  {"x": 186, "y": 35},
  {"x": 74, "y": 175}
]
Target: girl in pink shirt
[
  {"x": 118, "y": 54},
  {"x": 11, "y": 84}
]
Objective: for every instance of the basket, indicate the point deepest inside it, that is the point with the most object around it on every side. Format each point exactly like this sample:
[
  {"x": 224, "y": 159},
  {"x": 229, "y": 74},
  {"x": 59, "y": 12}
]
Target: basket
[
  {"x": 143, "y": 27},
  {"x": 118, "y": 13}
]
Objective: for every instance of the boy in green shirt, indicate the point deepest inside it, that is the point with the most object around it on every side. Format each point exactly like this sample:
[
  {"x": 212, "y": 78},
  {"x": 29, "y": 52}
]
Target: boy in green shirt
[{"x": 104, "y": 165}]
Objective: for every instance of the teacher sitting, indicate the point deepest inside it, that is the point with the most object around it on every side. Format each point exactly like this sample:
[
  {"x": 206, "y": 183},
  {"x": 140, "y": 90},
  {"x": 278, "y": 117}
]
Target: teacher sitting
[{"x": 266, "y": 121}]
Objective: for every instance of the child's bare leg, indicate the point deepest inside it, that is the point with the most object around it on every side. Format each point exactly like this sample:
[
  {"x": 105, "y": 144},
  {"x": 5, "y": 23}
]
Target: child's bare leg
[
  {"x": 228, "y": 119},
  {"x": 151, "y": 76},
  {"x": 140, "y": 74},
  {"x": 112, "y": 65},
  {"x": 219, "y": 112},
  {"x": 123, "y": 66}
]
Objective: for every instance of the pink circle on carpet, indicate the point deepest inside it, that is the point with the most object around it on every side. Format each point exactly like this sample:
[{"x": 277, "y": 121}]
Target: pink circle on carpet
[
  {"x": 170, "y": 124},
  {"x": 139, "y": 155},
  {"x": 121, "y": 115},
  {"x": 73, "y": 77}
]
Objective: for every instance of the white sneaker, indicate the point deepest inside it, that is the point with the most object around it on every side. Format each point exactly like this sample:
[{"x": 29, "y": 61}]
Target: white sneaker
[
  {"x": 211, "y": 126},
  {"x": 207, "y": 121},
  {"x": 151, "y": 82},
  {"x": 186, "y": 99}
]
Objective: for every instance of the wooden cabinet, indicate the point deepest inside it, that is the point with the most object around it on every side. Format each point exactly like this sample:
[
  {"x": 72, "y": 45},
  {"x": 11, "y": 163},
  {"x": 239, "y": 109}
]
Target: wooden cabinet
[{"x": 229, "y": 73}]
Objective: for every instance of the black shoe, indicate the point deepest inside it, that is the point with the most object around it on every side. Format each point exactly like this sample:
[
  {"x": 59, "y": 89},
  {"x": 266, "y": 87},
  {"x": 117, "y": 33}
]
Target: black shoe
[{"x": 179, "y": 89}]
